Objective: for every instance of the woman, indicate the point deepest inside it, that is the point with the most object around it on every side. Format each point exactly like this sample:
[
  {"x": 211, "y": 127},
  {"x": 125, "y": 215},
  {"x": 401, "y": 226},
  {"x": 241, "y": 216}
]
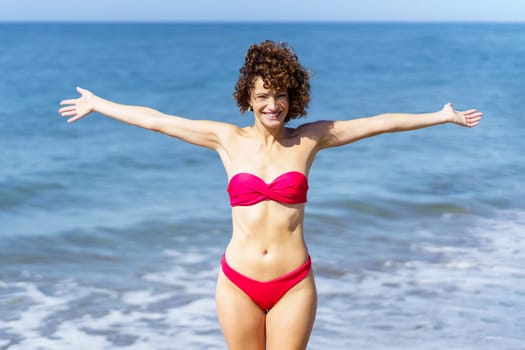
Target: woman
[{"x": 266, "y": 296}]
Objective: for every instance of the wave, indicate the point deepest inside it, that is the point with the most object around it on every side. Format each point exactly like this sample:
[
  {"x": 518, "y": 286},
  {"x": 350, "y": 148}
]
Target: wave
[
  {"x": 474, "y": 287},
  {"x": 446, "y": 291}
]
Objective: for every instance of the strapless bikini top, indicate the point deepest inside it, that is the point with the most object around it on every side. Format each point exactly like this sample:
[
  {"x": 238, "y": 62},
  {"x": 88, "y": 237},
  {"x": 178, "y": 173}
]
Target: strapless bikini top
[{"x": 247, "y": 189}]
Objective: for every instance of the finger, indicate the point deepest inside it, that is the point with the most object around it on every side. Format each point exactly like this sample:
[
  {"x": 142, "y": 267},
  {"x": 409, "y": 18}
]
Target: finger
[
  {"x": 68, "y": 114},
  {"x": 472, "y": 112},
  {"x": 473, "y": 120},
  {"x": 69, "y": 102},
  {"x": 81, "y": 90},
  {"x": 71, "y": 120},
  {"x": 474, "y": 116},
  {"x": 66, "y": 109}
]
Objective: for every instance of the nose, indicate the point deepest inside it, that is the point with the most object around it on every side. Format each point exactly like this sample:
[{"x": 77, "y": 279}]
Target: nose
[{"x": 272, "y": 103}]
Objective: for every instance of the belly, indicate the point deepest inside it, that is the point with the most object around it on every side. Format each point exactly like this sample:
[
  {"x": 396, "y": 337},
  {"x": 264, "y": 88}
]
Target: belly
[{"x": 267, "y": 240}]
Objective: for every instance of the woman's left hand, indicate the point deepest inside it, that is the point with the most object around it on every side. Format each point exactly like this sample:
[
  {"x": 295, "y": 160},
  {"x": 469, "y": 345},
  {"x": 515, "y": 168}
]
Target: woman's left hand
[{"x": 79, "y": 107}]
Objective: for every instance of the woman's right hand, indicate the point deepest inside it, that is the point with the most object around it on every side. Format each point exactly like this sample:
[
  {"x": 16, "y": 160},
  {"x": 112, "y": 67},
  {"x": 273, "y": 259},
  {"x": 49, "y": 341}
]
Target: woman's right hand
[
  {"x": 79, "y": 107},
  {"x": 469, "y": 118}
]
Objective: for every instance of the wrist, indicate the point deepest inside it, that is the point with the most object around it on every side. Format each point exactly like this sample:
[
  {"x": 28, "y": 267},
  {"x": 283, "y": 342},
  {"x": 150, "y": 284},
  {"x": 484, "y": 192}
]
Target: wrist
[
  {"x": 447, "y": 113},
  {"x": 96, "y": 103}
]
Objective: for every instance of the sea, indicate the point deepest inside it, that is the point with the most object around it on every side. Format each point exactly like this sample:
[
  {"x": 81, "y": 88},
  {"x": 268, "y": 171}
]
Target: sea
[{"x": 111, "y": 236}]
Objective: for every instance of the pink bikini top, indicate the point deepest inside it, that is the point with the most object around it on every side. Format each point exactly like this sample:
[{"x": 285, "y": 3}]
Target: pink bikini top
[{"x": 247, "y": 189}]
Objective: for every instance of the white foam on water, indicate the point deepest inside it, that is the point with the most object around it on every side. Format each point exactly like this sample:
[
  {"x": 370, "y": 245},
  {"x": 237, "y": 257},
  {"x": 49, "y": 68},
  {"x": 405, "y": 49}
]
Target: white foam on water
[
  {"x": 27, "y": 327},
  {"x": 192, "y": 326},
  {"x": 472, "y": 298},
  {"x": 39, "y": 309},
  {"x": 144, "y": 297},
  {"x": 177, "y": 311},
  {"x": 191, "y": 271}
]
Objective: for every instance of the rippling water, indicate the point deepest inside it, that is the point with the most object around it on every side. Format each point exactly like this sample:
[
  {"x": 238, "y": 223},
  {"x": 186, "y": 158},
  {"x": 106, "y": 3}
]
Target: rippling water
[{"x": 111, "y": 236}]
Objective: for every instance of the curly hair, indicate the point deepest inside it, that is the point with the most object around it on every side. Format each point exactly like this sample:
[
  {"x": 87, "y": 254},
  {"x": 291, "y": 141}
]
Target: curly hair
[{"x": 280, "y": 70}]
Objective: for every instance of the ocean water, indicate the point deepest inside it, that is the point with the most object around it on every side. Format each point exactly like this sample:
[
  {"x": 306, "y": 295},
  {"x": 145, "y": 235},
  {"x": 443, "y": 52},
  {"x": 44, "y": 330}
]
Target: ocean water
[{"x": 110, "y": 236}]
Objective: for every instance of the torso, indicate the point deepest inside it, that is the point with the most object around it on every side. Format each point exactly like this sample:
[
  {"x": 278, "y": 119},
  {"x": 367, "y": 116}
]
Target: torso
[{"x": 267, "y": 238}]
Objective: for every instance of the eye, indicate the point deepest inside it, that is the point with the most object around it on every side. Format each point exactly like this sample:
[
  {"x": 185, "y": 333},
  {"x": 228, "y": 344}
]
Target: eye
[{"x": 282, "y": 96}]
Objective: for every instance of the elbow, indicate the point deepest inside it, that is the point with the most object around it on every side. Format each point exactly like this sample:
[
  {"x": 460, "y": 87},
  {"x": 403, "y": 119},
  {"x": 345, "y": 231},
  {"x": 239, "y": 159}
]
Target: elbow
[
  {"x": 382, "y": 124},
  {"x": 154, "y": 123},
  {"x": 151, "y": 125},
  {"x": 388, "y": 123}
]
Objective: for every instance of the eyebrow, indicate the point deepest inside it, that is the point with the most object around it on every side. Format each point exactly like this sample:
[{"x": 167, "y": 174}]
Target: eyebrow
[{"x": 265, "y": 93}]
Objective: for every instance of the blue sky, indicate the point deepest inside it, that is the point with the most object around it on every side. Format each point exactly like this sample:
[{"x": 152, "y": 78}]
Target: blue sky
[{"x": 263, "y": 10}]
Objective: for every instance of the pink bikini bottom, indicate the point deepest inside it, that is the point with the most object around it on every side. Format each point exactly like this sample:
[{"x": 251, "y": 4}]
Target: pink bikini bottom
[{"x": 266, "y": 294}]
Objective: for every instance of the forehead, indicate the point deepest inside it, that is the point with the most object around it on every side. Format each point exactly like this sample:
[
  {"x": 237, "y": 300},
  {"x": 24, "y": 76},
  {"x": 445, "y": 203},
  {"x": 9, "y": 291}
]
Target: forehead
[{"x": 258, "y": 86}]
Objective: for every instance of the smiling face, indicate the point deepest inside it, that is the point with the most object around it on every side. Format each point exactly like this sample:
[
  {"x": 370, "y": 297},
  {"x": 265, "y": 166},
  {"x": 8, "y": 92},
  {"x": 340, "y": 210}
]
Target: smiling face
[
  {"x": 279, "y": 67},
  {"x": 269, "y": 106}
]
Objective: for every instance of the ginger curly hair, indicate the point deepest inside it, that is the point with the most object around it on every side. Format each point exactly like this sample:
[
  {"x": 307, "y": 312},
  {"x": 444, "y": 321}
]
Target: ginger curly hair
[{"x": 279, "y": 68}]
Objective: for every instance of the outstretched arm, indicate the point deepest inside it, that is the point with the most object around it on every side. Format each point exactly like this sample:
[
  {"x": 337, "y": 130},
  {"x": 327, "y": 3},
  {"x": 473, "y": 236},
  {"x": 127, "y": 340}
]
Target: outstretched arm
[
  {"x": 199, "y": 132},
  {"x": 339, "y": 133}
]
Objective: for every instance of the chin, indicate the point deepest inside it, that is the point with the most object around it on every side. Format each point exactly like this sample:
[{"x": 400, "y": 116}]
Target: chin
[{"x": 273, "y": 123}]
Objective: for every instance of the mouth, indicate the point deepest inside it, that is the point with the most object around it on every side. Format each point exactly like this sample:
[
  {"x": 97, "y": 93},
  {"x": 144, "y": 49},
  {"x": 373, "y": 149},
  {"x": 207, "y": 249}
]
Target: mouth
[{"x": 272, "y": 116}]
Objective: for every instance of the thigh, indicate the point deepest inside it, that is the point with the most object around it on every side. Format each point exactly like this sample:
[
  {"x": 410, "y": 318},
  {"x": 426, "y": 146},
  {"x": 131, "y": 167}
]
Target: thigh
[
  {"x": 289, "y": 323},
  {"x": 242, "y": 321}
]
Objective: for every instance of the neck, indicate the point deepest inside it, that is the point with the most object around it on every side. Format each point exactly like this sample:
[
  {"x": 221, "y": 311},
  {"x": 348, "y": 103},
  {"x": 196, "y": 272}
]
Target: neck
[{"x": 269, "y": 135}]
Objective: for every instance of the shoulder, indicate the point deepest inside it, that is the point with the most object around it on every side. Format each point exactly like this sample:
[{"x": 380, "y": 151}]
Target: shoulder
[
  {"x": 318, "y": 131},
  {"x": 314, "y": 129},
  {"x": 223, "y": 129},
  {"x": 230, "y": 134}
]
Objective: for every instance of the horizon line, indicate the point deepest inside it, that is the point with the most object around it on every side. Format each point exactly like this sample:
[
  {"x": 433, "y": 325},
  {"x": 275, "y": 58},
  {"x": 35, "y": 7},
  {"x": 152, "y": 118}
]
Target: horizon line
[{"x": 291, "y": 21}]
